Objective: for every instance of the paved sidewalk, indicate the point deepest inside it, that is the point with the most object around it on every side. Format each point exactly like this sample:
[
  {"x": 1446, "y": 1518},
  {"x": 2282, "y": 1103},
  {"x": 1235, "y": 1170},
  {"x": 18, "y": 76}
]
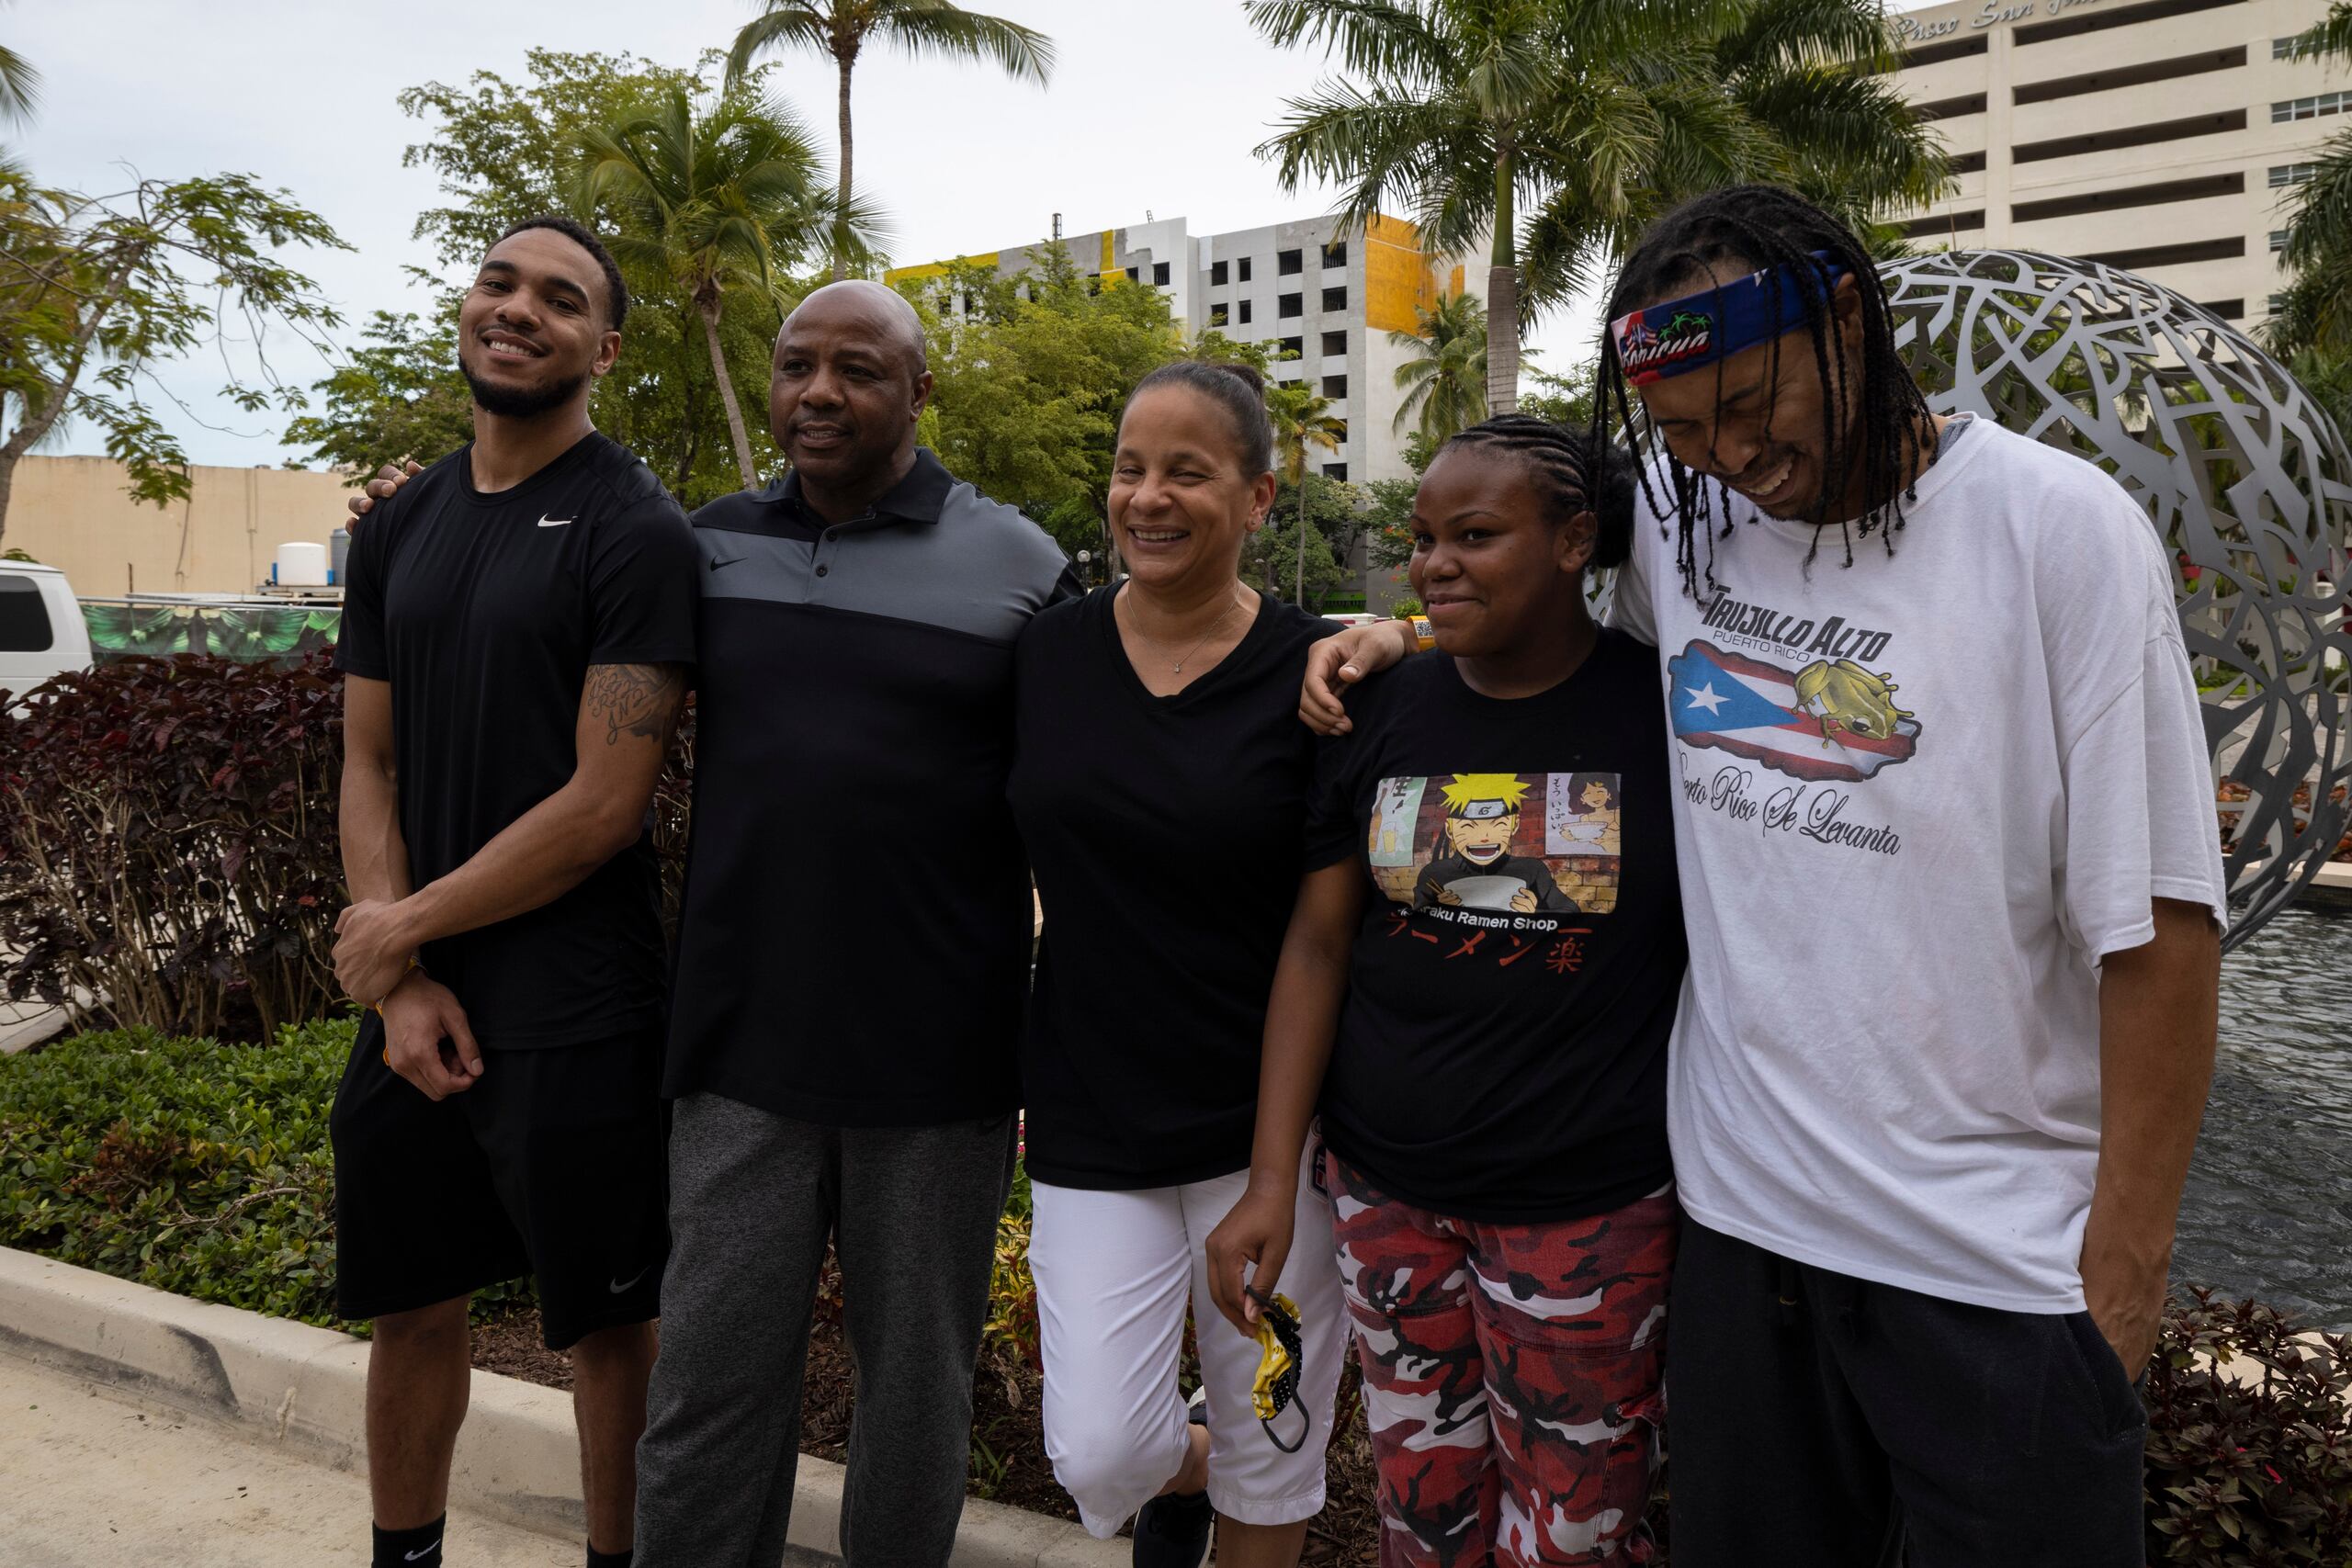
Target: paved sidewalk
[{"x": 93, "y": 1483}]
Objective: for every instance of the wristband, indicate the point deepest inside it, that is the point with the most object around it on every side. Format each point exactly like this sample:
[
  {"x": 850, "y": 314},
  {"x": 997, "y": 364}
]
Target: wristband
[
  {"x": 378, "y": 1005},
  {"x": 1423, "y": 638}
]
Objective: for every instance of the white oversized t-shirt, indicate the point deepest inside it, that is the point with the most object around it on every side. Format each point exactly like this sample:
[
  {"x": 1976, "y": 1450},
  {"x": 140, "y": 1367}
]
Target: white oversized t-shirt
[{"x": 1917, "y": 800}]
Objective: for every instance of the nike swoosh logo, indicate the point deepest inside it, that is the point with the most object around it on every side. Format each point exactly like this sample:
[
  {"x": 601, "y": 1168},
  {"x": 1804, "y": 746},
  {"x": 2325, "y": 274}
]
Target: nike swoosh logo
[
  {"x": 730, "y": 560},
  {"x": 548, "y": 522},
  {"x": 618, "y": 1288},
  {"x": 420, "y": 1552}
]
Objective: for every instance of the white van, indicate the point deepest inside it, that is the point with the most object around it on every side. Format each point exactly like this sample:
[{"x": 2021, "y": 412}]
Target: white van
[{"x": 42, "y": 630}]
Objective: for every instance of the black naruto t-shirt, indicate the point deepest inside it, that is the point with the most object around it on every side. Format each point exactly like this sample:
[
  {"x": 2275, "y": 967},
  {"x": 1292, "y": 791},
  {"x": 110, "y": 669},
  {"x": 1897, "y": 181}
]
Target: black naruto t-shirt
[
  {"x": 1164, "y": 836},
  {"x": 1501, "y": 1055},
  {"x": 484, "y": 613}
]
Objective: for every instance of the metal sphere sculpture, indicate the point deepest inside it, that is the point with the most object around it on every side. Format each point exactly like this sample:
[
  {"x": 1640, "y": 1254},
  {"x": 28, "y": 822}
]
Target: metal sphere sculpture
[{"x": 2245, "y": 478}]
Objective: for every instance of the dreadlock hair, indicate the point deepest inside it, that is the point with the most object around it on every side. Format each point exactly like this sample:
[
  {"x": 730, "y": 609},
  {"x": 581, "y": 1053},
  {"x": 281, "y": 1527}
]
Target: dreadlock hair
[
  {"x": 1747, "y": 229},
  {"x": 1573, "y": 470}
]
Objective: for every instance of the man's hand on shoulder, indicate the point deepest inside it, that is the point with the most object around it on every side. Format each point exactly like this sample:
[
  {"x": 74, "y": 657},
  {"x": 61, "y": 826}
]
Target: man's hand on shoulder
[
  {"x": 1335, "y": 664},
  {"x": 383, "y": 486}
]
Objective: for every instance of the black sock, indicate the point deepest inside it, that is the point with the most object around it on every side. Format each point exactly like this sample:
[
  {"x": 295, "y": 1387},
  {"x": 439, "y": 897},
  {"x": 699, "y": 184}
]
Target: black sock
[
  {"x": 418, "y": 1548},
  {"x": 621, "y": 1559}
]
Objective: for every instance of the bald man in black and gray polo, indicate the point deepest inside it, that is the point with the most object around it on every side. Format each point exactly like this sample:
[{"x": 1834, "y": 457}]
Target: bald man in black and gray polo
[{"x": 852, "y": 961}]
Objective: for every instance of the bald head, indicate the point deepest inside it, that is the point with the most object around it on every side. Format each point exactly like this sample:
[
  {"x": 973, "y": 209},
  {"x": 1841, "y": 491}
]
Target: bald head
[
  {"x": 880, "y": 314},
  {"x": 850, "y": 382}
]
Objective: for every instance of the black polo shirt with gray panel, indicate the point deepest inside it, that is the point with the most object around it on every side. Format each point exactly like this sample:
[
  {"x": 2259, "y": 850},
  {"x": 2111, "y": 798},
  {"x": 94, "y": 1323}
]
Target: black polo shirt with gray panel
[{"x": 854, "y": 944}]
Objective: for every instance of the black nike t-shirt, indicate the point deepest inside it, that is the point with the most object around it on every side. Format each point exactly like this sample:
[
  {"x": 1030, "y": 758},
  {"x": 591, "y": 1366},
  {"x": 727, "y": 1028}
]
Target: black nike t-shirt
[
  {"x": 1164, "y": 835},
  {"x": 1501, "y": 1056},
  {"x": 484, "y": 613}
]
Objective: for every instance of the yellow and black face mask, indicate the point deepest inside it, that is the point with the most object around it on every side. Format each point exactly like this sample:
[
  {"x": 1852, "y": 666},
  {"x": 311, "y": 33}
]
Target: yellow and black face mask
[{"x": 1279, "y": 1359}]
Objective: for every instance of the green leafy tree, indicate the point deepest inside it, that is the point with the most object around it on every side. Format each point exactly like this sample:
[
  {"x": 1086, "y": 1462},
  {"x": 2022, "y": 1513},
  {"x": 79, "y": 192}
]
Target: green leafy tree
[
  {"x": 1388, "y": 521},
  {"x": 1334, "y": 514},
  {"x": 1303, "y": 420},
  {"x": 96, "y": 291},
  {"x": 842, "y": 29},
  {"x": 1030, "y": 375},
  {"x": 1445, "y": 381},
  {"x": 506, "y": 149},
  {"x": 396, "y": 396},
  {"x": 707, "y": 205},
  {"x": 1558, "y": 128},
  {"x": 19, "y": 85},
  {"x": 2316, "y": 320}
]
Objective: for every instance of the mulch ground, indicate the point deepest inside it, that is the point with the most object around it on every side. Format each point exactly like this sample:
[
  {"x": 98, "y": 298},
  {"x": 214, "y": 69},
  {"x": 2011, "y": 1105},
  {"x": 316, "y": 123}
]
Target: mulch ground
[{"x": 1009, "y": 1462}]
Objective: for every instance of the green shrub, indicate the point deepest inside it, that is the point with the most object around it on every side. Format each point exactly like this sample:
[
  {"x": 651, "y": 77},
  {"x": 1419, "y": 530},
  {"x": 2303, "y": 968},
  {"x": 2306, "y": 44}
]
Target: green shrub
[{"x": 187, "y": 1165}]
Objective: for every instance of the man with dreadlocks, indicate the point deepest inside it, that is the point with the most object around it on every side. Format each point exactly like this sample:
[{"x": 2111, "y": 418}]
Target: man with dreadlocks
[{"x": 1946, "y": 838}]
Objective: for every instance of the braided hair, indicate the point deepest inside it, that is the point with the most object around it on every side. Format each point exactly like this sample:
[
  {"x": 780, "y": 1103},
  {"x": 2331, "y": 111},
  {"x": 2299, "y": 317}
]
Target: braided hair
[
  {"x": 1748, "y": 229},
  {"x": 1573, "y": 471}
]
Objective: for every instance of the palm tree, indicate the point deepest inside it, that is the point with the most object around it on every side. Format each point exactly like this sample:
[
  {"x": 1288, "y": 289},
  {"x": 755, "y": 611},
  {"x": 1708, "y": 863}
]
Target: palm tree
[
  {"x": 19, "y": 85},
  {"x": 2316, "y": 321},
  {"x": 1446, "y": 383},
  {"x": 842, "y": 29},
  {"x": 1301, "y": 417},
  {"x": 722, "y": 203},
  {"x": 1561, "y": 128}
]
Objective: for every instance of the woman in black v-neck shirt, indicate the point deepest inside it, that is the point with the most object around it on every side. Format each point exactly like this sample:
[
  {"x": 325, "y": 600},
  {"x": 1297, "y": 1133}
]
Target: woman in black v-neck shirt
[{"x": 1162, "y": 779}]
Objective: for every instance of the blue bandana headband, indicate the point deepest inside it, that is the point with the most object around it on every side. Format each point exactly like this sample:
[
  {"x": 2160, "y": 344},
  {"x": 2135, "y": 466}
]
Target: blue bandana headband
[{"x": 1698, "y": 330}]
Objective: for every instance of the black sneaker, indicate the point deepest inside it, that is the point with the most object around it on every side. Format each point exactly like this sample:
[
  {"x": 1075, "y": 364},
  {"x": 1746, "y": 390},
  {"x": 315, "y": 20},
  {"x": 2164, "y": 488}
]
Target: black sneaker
[{"x": 1172, "y": 1530}]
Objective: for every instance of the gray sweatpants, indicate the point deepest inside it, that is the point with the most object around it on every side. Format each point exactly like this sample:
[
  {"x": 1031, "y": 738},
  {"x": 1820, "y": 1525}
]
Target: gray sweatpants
[{"x": 912, "y": 1213}]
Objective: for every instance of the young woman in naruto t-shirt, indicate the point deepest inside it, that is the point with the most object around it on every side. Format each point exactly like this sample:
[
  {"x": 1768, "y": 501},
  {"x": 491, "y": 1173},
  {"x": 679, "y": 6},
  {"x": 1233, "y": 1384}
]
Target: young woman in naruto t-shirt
[{"x": 1475, "y": 992}]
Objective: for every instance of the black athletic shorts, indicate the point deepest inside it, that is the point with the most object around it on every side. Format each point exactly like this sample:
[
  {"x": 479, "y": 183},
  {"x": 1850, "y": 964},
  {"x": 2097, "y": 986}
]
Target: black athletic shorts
[{"x": 553, "y": 1164}]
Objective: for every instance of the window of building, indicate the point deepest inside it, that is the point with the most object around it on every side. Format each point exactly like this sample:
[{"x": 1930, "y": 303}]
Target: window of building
[
  {"x": 1294, "y": 348},
  {"x": 1339, "y": 429},
  {"x": 2280, "y": 47},
  {"x": 2293, "y": 174},
  {"x": 2278, "y": 303},
  {"x": 1291, "y": 305},
  {"x": 1245, "y": 312},
  {"x": 1135, "y": 275},
  {"x": 1288, "y": 262},
  {"x": 24, "y": 619},
  {"x": 1969, "y": 163},
  {"x": 1242, "y": 270},
  {"x": 1336, "y": 253},
  {"x": 1336, "y": 471},
  {"x": 1217, "y": 273},
  {"x": 2121, "y": 17},
  {"x": 2278, "y": 239},
  {"x": 2155, "y": 195},
  {"x": 2111, "y": 140},
  {"x": 1335, "y": 299},
  {"x": 1950, "y": 108},
  {"x": 1159, "y": 275},
  {"x": 1937, "y": 53},
  {"x": 2174, "y": 256},
  {"x": 2114, "y": 76},
  {"x": 1216, "y": 315},
  {"x": 2228, "y": 310},
  {"x": 1335, "y": 386},
  {"x": 2311, "y": 107},
  {"x": 1335, "y": 344},
  {"x": 1949, "y": 223}
]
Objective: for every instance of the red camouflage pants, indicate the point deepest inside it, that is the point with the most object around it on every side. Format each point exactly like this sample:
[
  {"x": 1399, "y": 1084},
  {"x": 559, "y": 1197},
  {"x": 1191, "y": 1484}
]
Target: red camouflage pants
[{"x": 1512, "y": 1376}]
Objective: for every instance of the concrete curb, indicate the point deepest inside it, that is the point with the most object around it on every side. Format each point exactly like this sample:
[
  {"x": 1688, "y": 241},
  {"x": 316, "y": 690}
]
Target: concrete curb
[{"x": 291, "y": 1384}]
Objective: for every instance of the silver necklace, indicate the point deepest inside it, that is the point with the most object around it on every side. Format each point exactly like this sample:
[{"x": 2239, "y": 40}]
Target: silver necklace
[{"x": 1160, "y": 649}]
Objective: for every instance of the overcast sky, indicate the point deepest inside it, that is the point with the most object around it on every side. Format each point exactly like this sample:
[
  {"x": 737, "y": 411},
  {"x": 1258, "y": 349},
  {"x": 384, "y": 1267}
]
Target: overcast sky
[{"x": 1154, "y": 107}]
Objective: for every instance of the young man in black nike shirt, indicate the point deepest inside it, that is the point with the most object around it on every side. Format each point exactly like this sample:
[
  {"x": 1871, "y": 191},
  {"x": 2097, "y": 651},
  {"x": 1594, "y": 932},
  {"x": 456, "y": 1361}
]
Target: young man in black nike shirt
[{"x": 518, "y": 624}]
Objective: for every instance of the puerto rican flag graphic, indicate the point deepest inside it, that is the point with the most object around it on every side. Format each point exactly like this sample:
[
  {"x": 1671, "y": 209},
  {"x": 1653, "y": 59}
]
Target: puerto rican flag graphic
[{"x": 1749, "y": 708}]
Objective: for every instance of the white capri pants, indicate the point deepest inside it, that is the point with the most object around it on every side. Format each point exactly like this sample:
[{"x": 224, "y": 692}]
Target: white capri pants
[{"x": 1114, "y": 1272}]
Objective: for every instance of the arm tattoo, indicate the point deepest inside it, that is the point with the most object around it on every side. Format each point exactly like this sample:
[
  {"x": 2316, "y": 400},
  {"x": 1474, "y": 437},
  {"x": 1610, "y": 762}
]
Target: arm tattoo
[{"x": 634, "y": 699}]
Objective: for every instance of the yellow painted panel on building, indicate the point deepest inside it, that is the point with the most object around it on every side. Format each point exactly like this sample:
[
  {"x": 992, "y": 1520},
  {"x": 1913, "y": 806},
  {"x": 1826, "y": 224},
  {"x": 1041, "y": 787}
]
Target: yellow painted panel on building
[
  {"x": 1110, "y": 255},
  {"x": 898, "y": 275},
  {"x": 1397, "y": 282},
  {"x": 1453, "y": 290}
]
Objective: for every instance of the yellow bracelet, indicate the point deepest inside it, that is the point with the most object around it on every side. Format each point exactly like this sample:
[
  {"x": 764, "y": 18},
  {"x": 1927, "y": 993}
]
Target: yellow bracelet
[
  {"x": 1423, "y": 638},
  {"x": 378, "y": 1007}
]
